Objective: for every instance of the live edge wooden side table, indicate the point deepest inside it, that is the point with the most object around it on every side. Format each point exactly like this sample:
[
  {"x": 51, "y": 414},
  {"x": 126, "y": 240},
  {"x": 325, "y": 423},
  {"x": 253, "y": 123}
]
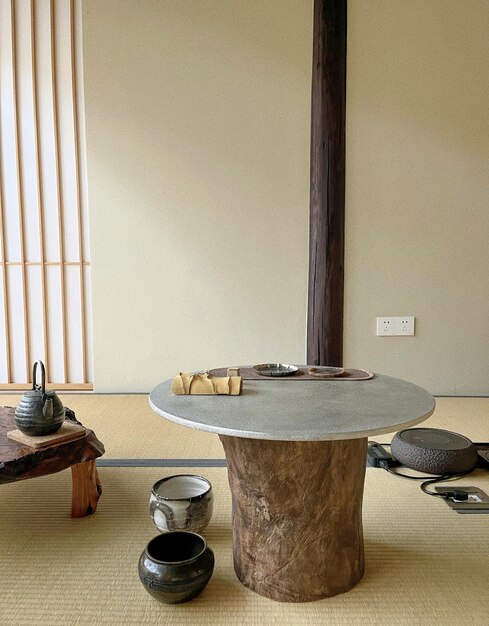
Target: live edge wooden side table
[
  {"x": 19, "y": 462},
  {"x": 296, "y": 456}
]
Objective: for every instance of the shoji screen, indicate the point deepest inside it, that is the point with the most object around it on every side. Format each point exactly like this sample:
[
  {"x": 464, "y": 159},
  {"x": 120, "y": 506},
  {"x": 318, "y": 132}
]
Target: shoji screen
[{"x": 44, "y": 252}]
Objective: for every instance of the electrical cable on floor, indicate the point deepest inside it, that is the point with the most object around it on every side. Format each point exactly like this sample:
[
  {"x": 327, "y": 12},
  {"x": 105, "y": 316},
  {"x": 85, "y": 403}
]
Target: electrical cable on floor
[
  {"x": 386, "y": 464},
  {"x": 426, "y": 478},
  {"x": 455, "y": 494}
]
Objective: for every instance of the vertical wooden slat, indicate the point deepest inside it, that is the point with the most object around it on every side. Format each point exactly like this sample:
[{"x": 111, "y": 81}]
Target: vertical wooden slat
[
  {"x": 59, "y": 185},
  {"x": 327, "y": 199},
  {"x": 8, "y": 364},
  {"x": 39, "y": 182},
  {"x": 20, "y": 189},
  {"x": 4, "y": 271},
  {"x": 78, "y": 193}
]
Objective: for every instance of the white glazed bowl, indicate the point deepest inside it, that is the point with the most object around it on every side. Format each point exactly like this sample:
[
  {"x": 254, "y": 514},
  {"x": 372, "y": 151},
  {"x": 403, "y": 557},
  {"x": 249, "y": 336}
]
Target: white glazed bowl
[{"x": 181, "y": 502}]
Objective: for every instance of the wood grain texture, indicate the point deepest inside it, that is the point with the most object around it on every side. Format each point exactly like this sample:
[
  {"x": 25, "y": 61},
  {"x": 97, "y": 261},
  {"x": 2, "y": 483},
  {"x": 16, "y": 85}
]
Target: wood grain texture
[
  {"x": 327, "y": 190},
  {"x": 297, "y": 515},
  {"x": 19, "y": 462},
  {"x": 67, "y": 432},
  {"x": 86, "y": 489}
]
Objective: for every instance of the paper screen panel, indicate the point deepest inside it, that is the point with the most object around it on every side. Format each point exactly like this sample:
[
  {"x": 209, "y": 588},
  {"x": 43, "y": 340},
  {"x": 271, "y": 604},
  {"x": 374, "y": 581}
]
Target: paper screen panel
[{"x": 44, "y": 267}]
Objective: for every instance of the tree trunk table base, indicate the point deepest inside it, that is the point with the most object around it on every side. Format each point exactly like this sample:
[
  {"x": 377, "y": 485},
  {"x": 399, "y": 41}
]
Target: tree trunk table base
[
  {"x": 297, "y": 515},
  {"x": 20, "y": 462}
]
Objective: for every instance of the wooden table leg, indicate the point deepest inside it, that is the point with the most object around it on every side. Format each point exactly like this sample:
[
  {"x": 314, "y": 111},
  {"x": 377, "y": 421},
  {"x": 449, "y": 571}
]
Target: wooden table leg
[
  {"x": 297, "y": 515},
  {"x": 86, "y": 488}
]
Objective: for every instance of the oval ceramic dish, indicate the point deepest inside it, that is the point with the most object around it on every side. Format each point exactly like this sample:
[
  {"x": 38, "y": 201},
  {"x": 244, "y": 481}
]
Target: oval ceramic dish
[
  {"x": 326, "y": 372},
  {"x": 275, "y": 369}
]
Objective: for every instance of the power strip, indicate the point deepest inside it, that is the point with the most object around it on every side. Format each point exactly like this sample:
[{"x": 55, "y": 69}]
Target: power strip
[
  {"x": 484, "y": 455},
  {"x": 377, "y": 456}
]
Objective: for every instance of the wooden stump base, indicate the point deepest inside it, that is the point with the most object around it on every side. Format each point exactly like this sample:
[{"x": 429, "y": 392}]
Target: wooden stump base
[
  {"x": 86, "y": 488},
  {"x": 297, "y": 515}
]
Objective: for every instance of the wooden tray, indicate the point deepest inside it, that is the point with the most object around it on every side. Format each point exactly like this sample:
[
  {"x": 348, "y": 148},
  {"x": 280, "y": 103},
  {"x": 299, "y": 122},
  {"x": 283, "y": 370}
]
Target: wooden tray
[
  {"x": 248, "y": 373},
  {"x": 67, "y": 432}
]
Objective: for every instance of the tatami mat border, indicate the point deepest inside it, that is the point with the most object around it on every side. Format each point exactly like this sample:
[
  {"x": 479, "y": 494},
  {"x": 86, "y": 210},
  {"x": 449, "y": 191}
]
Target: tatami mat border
[{"x": 161, "y": 463}]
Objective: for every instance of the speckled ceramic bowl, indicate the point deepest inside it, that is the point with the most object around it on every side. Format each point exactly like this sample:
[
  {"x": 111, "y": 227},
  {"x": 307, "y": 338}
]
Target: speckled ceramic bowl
[{"x": 181, "y": 502}]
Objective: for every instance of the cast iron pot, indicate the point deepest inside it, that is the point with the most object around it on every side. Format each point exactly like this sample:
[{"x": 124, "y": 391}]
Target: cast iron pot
[{"x": 39, "y": 412}]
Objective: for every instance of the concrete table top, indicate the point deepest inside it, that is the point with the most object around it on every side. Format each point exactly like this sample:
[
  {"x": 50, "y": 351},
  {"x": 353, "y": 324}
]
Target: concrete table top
[{"x": 306, "y": 410}]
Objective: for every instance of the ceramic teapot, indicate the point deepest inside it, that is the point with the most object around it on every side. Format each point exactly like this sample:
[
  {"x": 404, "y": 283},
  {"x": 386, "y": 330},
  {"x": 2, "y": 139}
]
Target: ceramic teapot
[{"x": 39, "y": 412}]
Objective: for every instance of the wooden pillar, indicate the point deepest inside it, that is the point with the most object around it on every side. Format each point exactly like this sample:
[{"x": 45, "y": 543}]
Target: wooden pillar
[
  {"x": 327, "y": 199},
  {"x": 297, "y": 515}
]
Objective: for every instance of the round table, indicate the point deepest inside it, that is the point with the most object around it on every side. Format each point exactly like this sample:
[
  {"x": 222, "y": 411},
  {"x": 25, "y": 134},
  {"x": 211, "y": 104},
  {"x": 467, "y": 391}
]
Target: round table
[{"x": 296, "y": 456}]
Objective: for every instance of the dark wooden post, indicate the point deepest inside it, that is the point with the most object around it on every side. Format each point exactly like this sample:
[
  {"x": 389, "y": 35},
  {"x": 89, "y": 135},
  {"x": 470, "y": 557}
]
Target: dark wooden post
[{"x": 327, "y": 200}]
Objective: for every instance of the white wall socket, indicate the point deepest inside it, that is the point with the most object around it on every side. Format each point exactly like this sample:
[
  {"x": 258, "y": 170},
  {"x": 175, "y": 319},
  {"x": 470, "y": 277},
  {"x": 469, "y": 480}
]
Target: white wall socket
[
  {"x": 405, "y": 325},
  {"x": 386, "y": 326},
  {"x": 395, "y": 326}
]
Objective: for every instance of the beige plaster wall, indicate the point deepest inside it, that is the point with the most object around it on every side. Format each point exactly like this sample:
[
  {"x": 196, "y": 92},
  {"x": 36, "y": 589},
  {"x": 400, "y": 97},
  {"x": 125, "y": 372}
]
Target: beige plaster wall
[
  {"x": 417, "y": 191},
  {"x": 198, "y": 155},
  {"x": 197, "y": 117}
]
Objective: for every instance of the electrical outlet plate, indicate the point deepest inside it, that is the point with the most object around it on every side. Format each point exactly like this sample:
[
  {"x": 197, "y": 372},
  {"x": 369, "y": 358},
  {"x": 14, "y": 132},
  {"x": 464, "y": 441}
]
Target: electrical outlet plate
[
  {"x": 395, "y": 326},
  {"x": 386, "y": 326},
  {"x": 478, "y": 501},
  {"x": 405, "y": 325}
]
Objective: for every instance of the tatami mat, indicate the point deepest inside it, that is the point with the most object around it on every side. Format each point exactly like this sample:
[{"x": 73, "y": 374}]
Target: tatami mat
[
  {"x": 425, "y": 564},
  {"x": 467, "y": 416}
]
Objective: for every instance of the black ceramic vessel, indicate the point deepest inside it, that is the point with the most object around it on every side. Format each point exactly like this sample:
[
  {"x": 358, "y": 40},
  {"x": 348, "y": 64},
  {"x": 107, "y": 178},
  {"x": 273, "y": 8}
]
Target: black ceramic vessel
[{"x": 176, "y": 566}]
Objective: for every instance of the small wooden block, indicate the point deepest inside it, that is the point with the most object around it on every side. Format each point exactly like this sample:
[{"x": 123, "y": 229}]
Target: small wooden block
[{"x": 67, "y": 432}]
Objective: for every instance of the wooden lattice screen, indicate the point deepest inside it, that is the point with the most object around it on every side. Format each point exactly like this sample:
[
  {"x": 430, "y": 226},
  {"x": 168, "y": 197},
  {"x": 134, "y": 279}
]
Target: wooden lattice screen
[{"x": 44, "y": 252}]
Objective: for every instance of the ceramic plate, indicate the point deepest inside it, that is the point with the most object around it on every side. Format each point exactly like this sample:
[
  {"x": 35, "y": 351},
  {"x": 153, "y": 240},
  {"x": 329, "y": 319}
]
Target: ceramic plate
[
  {"x": 275, "y": 369},
  {"x": 326, "y": 372}
]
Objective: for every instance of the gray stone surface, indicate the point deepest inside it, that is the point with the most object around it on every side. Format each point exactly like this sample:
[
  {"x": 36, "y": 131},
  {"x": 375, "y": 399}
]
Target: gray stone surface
[{"x": 301, "y": 410}]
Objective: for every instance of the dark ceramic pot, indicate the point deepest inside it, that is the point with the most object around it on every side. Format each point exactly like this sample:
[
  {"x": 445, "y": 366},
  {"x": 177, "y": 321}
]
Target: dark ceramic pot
[
  {"x": 39, "y": 412},
  {"x": 434, "y": 451},
  {"x": 176, "y": 566}
]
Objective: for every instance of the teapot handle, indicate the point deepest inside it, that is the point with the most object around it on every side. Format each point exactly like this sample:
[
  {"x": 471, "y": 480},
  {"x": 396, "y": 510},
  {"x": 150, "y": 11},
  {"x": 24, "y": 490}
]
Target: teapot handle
[{"x": 43, "y": 377}]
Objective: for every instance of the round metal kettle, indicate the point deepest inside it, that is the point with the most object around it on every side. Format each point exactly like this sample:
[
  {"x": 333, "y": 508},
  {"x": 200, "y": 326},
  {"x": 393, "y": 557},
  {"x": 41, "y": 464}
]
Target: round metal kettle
[{"x": 39, "y": 412}]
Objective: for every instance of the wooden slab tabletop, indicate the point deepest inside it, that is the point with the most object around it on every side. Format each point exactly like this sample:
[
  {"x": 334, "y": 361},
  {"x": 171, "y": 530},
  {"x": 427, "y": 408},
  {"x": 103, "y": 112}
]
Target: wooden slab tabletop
[{"x": 19, "y": 461}]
